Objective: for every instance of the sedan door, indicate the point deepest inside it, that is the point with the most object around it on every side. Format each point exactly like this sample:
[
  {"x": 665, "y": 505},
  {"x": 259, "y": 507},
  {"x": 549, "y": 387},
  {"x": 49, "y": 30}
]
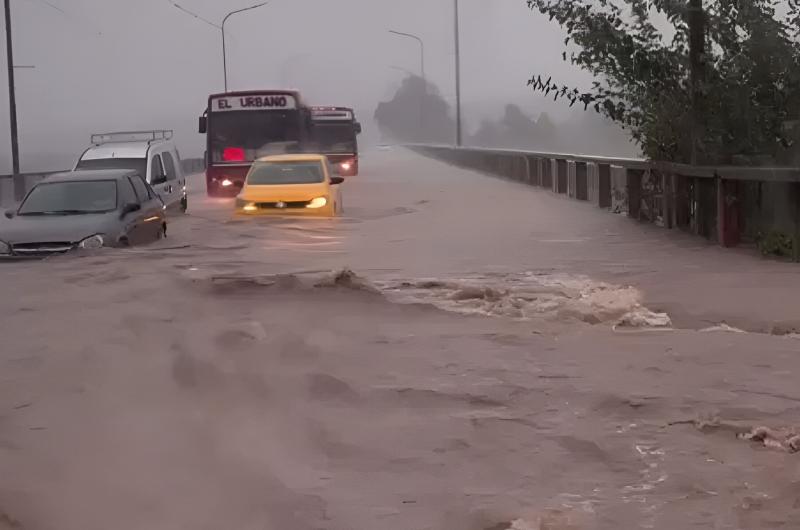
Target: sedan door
[
  {"x": 151, "y": 212},
  {"x": 134, "y": 227}
]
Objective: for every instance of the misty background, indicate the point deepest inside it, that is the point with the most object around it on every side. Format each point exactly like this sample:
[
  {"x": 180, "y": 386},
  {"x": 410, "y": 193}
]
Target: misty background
[{"x": 106, "y": 65}]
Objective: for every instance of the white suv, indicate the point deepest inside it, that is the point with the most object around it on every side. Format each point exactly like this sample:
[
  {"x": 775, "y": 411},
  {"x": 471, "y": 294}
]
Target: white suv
[{"x": 150, "y": 153}]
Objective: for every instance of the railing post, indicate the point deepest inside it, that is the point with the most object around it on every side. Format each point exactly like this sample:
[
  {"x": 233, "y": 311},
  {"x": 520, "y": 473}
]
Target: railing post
[
  {"x": 581, "y": 181},
  {"x": 527, "y": 166},
  {"x": 634, "y": 188},
  {"x": 604, "y": 185},
  {"x": 561, "y": 176},
  {"x": 570, "y": 179}
]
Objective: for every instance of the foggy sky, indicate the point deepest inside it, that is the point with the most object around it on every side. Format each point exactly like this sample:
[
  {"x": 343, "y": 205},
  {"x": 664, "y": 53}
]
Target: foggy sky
[{"x": 129, "y": 64}]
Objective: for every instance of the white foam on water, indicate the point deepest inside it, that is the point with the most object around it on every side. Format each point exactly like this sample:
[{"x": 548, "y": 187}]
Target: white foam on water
[{"x": 531, "y": 296}]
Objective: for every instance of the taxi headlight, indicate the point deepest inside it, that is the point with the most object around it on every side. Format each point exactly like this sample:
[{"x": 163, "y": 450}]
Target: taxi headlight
[
  {"x": 247, "y": 206},
  {"x": 319, "y": 202},
  {"x": 5, "y": 248},
  {"x": 92, "y": 242}
]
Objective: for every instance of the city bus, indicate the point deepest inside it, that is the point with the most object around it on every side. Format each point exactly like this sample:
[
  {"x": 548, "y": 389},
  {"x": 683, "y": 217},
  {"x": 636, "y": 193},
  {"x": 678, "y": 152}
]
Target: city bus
[
  {"x": 241, "y": 127},
  {"x": 335, "y": 135}
]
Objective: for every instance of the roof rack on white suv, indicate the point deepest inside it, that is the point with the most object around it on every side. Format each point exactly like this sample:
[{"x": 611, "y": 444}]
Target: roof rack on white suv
[{"x": 131, "y": 136}]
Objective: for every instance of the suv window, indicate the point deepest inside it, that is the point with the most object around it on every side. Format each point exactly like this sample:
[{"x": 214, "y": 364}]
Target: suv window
[
  {"x": 127, "y": 194},
  {"x": 141, "y": 189},
  {"x": 156, "y": 168},
  {"x": 169, "y": 166}
]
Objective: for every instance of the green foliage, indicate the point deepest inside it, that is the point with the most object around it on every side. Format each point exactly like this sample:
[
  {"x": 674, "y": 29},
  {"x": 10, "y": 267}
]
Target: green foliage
[
  {"x": 775, "y": 243},
  {"x": 752, "y": 70}
]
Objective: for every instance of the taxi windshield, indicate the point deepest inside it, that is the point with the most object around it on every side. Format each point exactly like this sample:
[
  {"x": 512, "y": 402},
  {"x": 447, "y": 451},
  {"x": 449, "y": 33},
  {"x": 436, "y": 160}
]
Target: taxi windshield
[{"x": 299, "y": 172}]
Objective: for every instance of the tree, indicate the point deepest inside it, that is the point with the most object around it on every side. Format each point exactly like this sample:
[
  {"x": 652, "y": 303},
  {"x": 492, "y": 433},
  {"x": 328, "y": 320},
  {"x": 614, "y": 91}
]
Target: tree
[
  {"x": 750, "y": 75},
  {"x": 416, "y": 113}
]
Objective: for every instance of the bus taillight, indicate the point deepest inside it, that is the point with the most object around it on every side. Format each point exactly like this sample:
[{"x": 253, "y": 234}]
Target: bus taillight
[{"x": 233, "y": 154}]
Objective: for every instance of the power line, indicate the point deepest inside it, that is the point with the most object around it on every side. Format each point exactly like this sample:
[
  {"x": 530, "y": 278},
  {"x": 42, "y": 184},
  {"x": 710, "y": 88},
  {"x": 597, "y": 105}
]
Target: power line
[
  {"x": 193, "y": 14},
  {"x": 70, "y": 16},
  {"x": 53, "y": 6}
]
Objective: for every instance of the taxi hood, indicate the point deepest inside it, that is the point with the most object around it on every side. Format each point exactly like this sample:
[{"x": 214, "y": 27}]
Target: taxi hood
[{"x": 283, "y": 192}]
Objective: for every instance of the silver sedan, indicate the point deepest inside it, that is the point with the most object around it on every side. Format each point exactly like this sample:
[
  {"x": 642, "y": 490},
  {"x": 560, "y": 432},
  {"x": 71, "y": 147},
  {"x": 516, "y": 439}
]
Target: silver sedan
[{"x": 83, "y": 210}]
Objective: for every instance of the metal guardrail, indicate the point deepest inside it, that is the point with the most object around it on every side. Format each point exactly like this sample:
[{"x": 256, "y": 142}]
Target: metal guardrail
[
  {"x": 763, "y": 174},
  {"x": 729, "y": 204}
]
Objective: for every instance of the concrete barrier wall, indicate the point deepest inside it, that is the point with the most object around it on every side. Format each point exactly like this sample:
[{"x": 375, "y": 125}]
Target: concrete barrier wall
[{"x": 13, "y": 188}]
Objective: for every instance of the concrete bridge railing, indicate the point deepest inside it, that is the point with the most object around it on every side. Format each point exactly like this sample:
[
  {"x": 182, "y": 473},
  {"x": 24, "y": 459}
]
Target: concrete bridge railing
[{"x": 728, "y": 204}]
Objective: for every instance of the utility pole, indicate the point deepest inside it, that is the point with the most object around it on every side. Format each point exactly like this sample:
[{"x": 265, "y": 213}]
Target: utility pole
[
  {"x": 697, "y": 72},
  {"x": 458, "y": 79},
  {"x": 12, "y": 96}
]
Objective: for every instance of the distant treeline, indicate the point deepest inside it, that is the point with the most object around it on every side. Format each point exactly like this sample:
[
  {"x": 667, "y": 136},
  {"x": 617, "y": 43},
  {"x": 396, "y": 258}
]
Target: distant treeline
[{"x": 419, "y": 114}]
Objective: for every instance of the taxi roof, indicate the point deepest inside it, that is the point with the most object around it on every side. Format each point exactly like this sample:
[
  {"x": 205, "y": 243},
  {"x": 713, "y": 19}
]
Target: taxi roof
[{"x": 298, "y": 157}]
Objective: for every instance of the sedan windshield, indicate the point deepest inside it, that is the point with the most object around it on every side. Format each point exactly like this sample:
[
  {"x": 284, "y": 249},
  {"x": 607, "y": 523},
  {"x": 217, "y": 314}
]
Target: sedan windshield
[
  {"x": 286, "y": 173},
  {"x": 65, "y": 198}
]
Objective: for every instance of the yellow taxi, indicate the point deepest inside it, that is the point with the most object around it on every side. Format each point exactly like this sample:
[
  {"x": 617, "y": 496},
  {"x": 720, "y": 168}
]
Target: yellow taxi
[{"x": 296, "y": 184}]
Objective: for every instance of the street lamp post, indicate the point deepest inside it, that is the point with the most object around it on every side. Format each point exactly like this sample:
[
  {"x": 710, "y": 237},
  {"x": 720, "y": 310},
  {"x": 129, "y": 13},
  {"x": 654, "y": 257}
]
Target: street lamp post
[
  {"x": 421, "y": 50},
  {"x": 224, "y": 49},
  {"x": 220, "y": 27},
  {"x": 422, "y": 74}
]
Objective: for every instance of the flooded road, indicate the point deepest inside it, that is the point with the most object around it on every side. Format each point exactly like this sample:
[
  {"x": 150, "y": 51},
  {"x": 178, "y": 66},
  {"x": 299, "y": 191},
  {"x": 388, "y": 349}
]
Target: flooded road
[{"x": 498, "y": 358}]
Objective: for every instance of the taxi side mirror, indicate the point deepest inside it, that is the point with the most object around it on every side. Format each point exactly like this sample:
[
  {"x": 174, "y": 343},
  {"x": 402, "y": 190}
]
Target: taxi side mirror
[{"x": 336, "y": 180}]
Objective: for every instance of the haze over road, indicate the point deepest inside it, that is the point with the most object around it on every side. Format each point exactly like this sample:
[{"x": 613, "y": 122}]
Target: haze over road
[{"x": 225, "y": 379}]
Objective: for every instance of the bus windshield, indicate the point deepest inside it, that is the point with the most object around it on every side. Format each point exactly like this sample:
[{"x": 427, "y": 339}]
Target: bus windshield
[
  {"x": 335, "y": 137},
  {"x": 247, "y": 135}
]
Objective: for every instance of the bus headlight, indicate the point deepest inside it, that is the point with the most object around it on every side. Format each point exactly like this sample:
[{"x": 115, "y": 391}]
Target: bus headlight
[
  {"x": 319, "y": 202},
  {"x": 227, "y": 183},
  {"x": 346, "y": 166}
]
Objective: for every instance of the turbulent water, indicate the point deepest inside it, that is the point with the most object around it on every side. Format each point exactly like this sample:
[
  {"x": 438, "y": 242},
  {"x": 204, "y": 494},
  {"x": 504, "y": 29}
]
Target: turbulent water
[
  {"x": 241, "y": 376},
  {"x": 530, "y": 296}
]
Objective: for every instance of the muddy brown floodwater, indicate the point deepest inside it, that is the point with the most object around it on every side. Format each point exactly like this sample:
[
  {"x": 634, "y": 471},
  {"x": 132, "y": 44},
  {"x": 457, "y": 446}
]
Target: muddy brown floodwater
[{"x": 498, "y": 358}]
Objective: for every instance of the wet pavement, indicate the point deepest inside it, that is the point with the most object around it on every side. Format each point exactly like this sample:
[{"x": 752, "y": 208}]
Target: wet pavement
[{"x": 499, "y": 356}]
